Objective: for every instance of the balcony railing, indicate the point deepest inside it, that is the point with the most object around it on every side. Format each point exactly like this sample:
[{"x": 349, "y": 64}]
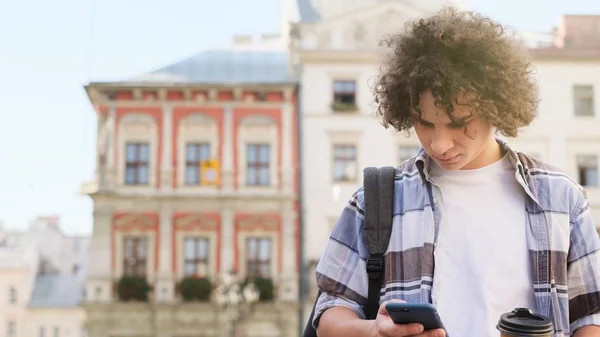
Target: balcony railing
[{"x": 187, "y": 289}]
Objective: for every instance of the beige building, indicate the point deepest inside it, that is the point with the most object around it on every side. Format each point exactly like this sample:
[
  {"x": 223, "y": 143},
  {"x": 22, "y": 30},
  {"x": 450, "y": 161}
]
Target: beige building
[
  {"x": 15, "y": 289},
  {"x": 339, "y": 57},
  {"x": 337, "y": 48},
  {"x": 42, "y": 273}
]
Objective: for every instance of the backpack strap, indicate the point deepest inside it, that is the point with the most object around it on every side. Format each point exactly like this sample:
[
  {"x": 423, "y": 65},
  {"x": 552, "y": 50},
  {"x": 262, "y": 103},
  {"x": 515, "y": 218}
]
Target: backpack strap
[{"x": 379, "y": 202}]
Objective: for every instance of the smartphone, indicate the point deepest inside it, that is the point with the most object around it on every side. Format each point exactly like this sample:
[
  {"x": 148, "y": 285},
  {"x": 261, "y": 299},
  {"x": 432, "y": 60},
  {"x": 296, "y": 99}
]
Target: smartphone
[{"x": 422, "y": 313}]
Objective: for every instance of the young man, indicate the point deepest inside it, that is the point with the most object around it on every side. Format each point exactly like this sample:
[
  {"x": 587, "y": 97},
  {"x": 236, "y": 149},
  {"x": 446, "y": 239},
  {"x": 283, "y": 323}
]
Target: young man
[{"x": 478, "y": 229}]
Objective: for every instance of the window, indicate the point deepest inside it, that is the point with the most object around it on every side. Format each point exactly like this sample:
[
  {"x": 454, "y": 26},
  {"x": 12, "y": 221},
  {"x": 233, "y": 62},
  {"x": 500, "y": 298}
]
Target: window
[
  {"x": 45, "y": 267},
  {"x": 12, "y": 295},
  {"x": 11, "y": 329},
  {"x": 196, "y": 257},
  {"x": 261, "y": 96},
  {"x": 583, "y": 96},
  {"x": 259, "y": 257},
  {"x": 344, "y": 92},
  {"x": 587, "y": 169},
  {"x": 137, "y": 167},
  {"x": 406, "y": 152},
  {"x": 135, "y": 257},
  {"x": 344, "y": 162},
  {"x": 257, "y": 164},
  {"x": 195, "y": 153}
]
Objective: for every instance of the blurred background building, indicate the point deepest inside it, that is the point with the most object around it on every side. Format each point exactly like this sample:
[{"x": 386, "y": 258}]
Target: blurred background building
[
  {"x": 197, "y": 176},
  {"x": 42, "y": 278},
  {"x": 339, "y": 58}
]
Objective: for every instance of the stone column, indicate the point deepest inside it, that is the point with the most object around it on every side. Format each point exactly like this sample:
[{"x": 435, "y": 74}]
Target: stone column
[
  {"x": 99, "y": 283},
  {"x": 289, "y": 279},
  {"x": 165, "y": 290},
  {"x": 227, "y": 239},
  {"x": 166, "y": 169},
  {"x": 287, "y": 160},
  {"x": 107, "y": 172},
  {"x": 228, "y": 146},
  {"x": 112, "y": 127}
]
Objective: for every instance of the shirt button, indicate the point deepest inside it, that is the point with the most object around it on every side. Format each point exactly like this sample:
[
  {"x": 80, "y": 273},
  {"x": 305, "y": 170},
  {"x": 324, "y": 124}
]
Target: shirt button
[{"x": 435, "y": 201}]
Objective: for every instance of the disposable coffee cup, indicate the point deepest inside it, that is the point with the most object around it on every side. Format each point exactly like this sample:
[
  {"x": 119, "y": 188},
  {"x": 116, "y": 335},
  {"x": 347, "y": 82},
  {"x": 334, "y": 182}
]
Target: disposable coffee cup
[{"x": 521, "y": 322}]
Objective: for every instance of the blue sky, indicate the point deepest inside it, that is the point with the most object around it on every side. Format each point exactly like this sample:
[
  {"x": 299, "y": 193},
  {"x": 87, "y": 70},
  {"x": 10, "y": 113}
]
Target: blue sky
[{"x": 50, "y": 49}]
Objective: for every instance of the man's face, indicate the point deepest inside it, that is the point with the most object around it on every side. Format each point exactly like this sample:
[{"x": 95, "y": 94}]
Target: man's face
[{"x": 448, "y": 143}]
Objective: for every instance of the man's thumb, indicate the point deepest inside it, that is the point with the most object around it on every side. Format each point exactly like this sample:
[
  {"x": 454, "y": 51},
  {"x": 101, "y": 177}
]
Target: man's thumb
[{"x": 382, "y": 306}]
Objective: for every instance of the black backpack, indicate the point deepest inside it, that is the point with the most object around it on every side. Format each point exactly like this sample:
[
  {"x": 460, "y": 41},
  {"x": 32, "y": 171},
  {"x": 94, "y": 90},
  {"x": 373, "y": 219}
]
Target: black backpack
[{"x": 379, "y": 203}]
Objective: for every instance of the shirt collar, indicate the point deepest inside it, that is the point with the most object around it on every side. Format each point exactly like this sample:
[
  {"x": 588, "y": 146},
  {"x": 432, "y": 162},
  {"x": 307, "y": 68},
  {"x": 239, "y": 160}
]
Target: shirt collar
[{"x": 423, "y": 162}]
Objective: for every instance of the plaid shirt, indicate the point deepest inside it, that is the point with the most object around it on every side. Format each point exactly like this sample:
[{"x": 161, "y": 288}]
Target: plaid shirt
[{"x": 561, "y": 237}]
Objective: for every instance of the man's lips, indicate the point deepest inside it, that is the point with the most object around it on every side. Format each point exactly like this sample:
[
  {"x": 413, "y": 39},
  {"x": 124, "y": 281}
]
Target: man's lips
[{"x": 447, "y": 160}]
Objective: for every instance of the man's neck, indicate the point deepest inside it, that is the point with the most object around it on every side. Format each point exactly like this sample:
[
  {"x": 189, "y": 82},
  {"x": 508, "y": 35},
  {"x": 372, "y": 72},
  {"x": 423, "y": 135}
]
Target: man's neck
[{"x": 491, "y": 154}]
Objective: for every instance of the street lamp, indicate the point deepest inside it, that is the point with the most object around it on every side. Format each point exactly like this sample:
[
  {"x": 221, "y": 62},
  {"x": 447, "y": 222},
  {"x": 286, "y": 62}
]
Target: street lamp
[{"x": 232, "y": 299}]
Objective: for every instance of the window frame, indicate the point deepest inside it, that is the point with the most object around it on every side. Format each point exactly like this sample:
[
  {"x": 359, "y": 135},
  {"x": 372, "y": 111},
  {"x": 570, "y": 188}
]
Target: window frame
[
  {"x": 583, "y": 99},
  {"x": 258, "y": 166},
  {"x": 258, "y": 262},
  {"x": 140, "y": 262},
  {"x": 198, "y": 148},
  {"x": 197, "y": 259},
  {"x": 344, "y": 160},
  {"x": 339, "y": 94},
  {"x": 137, "y": 164}
]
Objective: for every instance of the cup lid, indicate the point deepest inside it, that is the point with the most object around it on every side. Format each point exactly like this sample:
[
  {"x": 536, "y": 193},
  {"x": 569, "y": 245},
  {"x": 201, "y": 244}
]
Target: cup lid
[{"x": 523, "y": 322}]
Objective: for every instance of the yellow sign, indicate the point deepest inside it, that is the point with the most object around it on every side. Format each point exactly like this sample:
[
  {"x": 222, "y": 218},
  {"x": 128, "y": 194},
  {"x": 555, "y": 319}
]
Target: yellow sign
[{"x": 209, "y": 172}]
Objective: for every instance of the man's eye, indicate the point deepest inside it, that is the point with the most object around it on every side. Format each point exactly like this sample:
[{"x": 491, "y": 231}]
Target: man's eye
[
  {"x": 425, "y": 124},
  {"x": 457, "y": 126}
]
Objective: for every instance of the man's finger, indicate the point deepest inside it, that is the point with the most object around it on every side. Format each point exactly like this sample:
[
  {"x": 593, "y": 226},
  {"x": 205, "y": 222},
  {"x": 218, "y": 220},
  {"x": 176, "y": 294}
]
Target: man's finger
[
  {"x": 400, "y": 330},
  {"x": 433, "y": 333}
]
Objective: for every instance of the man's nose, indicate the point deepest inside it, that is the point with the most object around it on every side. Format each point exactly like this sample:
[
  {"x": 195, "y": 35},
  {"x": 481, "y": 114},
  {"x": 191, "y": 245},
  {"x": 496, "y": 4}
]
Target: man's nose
[{"x": 441, "y": 143}]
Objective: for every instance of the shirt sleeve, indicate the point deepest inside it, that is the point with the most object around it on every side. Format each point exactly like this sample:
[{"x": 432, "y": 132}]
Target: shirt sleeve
[
  {"x": 341, "y": 272},
  {"x": 583, "y": 268}
]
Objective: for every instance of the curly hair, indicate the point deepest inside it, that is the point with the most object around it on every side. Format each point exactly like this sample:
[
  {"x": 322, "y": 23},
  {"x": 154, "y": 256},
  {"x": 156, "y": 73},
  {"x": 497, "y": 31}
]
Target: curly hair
[{"x": 457, "y": 54}]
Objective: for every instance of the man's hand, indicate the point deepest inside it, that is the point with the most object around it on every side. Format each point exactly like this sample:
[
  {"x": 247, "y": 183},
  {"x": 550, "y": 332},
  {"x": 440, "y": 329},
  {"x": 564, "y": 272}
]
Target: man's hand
[{"x": 385, "y": 327}]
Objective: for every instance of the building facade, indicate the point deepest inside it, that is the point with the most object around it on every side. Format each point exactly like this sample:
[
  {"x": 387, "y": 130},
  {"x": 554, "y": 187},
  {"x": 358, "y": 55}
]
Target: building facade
[
  {"x": 42, "y": 274},
  {"x": 339, "y": 56},
  {"x": 196, "y": 177},
  {"x": 339, "y": 59},
  {"x": 15, "y": 290}
]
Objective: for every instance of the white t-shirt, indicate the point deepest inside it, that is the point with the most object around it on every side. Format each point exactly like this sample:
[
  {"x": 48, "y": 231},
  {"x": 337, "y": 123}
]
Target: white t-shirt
[{"x": 482, "y": 267}]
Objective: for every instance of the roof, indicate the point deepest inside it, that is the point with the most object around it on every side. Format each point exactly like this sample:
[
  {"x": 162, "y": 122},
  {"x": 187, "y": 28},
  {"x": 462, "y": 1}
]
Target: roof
[
  {"x": 226, "y": 67},
  {"x": 13, "y": 263},
  {"x": 56, "y": 291},
  {"x": 310, "y": 12},
  {"x": 566, "y": 53},
  {"x": 11, "y": 258},
  {"x": 307, "y": 11}
]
